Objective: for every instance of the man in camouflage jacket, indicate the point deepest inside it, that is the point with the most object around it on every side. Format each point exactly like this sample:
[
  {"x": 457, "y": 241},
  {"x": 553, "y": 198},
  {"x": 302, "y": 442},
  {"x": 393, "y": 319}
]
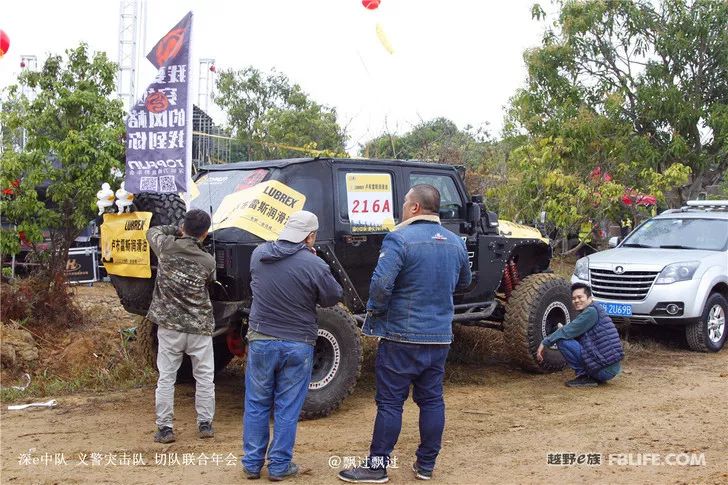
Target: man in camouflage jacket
[{"x": 182, "y": 310}]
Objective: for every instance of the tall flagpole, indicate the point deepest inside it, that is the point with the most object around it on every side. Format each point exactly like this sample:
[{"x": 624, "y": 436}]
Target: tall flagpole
[{"x": 190, "y": 116}]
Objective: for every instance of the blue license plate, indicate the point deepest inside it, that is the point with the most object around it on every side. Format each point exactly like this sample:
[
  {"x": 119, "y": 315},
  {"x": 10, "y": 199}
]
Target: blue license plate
[{"x": 617, "y": 309}]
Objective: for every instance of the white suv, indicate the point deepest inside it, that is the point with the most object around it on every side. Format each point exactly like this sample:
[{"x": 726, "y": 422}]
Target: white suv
[{"x": 672, "y": 269}]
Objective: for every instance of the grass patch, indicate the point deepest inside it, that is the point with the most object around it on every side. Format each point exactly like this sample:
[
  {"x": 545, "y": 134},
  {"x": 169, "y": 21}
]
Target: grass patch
[{"x": 125, "y": 375}]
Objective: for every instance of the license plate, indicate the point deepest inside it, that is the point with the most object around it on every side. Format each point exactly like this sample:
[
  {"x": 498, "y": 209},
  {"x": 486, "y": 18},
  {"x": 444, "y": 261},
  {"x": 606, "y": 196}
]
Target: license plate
[{"x": 617, "y": 309}]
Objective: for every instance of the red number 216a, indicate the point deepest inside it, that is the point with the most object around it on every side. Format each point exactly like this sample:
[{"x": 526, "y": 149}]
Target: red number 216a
[{"x": 365, "y": 206}]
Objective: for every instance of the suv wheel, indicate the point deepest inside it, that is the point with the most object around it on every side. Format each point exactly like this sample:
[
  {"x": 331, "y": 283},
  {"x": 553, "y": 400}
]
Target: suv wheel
[
  {"x": 336, "y": 362},
  {"x": 146, "y": 333},
  {"x": 539, "y": 305},
  {"x": 709, "y": 333}
]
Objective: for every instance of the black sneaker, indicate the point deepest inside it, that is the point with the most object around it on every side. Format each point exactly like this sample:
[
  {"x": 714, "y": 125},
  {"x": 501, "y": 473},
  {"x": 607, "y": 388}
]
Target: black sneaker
[
  {"x": 364, "y": 475},
  {"x": 582, "y": 381},
  {"x": 251, "y": 475},
  {"x": 164, "y": 435},
  {"x": 291, "y": 472},
  {"x": 204, "y": 430},
  {"x": 421, "y": 473}
]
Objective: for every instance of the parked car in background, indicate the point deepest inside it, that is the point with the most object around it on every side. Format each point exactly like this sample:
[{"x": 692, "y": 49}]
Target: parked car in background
[{"x": 671, "y": 270}]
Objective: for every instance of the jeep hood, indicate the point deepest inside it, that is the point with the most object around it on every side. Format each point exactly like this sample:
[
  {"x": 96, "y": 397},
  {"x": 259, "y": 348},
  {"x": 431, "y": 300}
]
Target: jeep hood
[{"x": 648, "y": 257}]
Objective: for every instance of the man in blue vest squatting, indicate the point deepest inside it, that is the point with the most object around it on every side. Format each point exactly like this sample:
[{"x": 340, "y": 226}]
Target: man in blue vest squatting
[{"x": 590, "y": 343}]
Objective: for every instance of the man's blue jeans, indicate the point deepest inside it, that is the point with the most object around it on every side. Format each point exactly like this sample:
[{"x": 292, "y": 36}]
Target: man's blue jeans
[
  {"x": 571, "y": 350},
  {"x": 276, "y": 379},
  {"x": 399, "y": 365}
]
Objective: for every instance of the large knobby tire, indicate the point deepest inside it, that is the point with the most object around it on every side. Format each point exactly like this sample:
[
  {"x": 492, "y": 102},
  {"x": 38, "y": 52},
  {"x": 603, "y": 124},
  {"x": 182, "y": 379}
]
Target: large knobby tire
[
  {"x": 539, "y": 305},
  {"x": 146, "y": 333},
  {"x": 135, "y": 294},
  {"x": 336, "y": 363},
  {"x": 709, "y": 333},
  {"x": 166, "y": 209}
]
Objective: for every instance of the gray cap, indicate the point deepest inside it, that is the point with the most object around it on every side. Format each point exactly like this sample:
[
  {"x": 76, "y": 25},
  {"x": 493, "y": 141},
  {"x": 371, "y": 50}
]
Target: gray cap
[{"x": 299, "y": 226}]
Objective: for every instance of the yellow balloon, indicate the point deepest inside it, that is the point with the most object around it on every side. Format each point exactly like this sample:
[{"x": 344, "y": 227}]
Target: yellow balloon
[{"x": 384, "y": 40}]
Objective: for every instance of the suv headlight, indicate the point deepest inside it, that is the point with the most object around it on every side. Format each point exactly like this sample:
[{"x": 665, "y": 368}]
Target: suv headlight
[
  {"x": 675, "y": 272},
  {"x": 581, "y": 270}
]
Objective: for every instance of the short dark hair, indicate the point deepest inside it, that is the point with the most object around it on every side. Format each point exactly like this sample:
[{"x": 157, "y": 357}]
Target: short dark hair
[
  {"x": 581, "y": 286},
  {"x": 428, "y": 197},
  {"x": 197, "y": 222}
]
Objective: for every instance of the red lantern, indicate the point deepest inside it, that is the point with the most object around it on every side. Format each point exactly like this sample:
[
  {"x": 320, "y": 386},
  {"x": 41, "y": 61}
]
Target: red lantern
[
  {"x": 370, "y": 4},
  {"x": 213, "y": 68},
  {"x": 5, "y": 42}
]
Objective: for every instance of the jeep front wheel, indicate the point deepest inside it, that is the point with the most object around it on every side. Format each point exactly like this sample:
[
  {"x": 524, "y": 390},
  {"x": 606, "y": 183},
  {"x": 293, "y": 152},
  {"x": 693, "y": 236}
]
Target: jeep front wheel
[
  {"x": 709, "y": 333},
  {"x": 539, "y": 305},
  {"x": 336, "y": 363}
]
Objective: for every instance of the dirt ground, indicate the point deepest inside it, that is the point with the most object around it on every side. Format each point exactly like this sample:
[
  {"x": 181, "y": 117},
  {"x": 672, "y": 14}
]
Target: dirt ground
[{"x": 502, "y": 424}]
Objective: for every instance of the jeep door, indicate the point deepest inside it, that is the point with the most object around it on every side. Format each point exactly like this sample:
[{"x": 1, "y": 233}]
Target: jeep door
[
  {"x": 359, "y": 214},
  {"x": 453, "y": 203}
]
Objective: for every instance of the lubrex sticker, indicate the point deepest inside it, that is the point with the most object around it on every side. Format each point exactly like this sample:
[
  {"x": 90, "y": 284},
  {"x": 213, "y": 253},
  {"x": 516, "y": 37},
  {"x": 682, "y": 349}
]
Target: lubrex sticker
[
  {"x": 124, "y": 246},
  {"x": 262, "y": 210}
]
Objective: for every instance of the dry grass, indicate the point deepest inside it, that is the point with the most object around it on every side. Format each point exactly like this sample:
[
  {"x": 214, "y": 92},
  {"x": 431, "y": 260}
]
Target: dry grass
[{"x": 96, "y": 355}]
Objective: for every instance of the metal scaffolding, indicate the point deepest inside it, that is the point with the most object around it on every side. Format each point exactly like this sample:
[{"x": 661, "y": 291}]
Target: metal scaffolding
[
  {"x": 128, "y": 30},
  {"x": 205, "y": 83},
  {"x": 210, "y": 143}
]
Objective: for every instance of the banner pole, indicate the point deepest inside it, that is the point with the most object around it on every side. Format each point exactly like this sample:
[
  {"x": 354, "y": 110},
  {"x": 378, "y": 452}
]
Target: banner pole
[{"x": 190, "y": 116}]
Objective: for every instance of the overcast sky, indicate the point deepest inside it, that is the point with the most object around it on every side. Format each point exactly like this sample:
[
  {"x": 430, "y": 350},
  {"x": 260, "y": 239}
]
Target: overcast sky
[{"x": 461, "y": 59}]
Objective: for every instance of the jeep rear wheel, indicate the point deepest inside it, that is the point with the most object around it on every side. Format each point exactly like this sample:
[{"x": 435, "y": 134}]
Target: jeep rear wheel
[
  {"x": 146, "y": 333},
  {"x": 539, "y": 305},
  {"x": 709, "y": 333},
  {"x": 336, "y": 363},
  {"x": 167, "y": 209}
]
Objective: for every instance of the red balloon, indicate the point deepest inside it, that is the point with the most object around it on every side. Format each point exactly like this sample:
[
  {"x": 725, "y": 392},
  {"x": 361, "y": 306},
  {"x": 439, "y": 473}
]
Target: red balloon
[
  {"x": 370, "y": 4},
  {"x": 4, "y": 43}
]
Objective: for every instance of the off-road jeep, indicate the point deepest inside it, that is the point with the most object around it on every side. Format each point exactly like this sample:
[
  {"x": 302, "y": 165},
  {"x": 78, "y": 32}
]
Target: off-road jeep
[{"x": 357, "y": 202}]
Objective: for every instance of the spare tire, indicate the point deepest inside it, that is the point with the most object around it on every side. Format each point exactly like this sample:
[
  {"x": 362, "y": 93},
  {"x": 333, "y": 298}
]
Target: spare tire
[
  {"x": 167, "y": 209},
  {"x": 336, "y": 362}
]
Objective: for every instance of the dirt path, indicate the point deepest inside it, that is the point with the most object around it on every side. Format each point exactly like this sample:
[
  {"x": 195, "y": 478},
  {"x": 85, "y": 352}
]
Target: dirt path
[{"x": 501, "y": 426}]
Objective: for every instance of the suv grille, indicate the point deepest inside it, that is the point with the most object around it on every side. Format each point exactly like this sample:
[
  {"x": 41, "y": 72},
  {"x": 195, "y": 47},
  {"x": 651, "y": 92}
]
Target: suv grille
[{"x": 631, "y": 285}]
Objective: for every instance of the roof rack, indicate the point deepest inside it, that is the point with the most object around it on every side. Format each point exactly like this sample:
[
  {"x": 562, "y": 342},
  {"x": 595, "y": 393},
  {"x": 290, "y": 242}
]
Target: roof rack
[{"x": 711, "y": 205}]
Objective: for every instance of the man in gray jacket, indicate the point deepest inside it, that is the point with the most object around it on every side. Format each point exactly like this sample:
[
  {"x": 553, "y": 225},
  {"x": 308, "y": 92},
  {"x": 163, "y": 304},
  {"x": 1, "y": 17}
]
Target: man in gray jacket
[{"x": 287, "y": 281}]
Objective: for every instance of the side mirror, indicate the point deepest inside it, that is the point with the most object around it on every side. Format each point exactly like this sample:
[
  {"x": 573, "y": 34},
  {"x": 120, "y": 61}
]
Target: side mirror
[{"x": 613, "y": 241}]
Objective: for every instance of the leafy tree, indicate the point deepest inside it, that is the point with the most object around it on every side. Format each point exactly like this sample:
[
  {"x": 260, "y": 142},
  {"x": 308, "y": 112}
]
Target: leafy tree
[
  {"x": 637, "y": 90},
  {"x": 272, "y": 117},
  {"x": 72, "y": 130},
  {"x": 440, "y": 140}
]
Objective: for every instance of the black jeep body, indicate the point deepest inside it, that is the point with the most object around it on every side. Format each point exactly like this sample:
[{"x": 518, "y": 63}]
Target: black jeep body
[{"x": 512, "y": 289}]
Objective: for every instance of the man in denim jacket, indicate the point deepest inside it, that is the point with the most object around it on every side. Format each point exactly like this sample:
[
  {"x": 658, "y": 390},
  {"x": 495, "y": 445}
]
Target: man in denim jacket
[{"x": 411, "y": 309}]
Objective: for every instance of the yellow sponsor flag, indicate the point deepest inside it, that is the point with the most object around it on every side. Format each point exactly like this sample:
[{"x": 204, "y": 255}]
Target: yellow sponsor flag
[
  {"x": 262, "y": 210},
  {"x": 124, "y": 245}
]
